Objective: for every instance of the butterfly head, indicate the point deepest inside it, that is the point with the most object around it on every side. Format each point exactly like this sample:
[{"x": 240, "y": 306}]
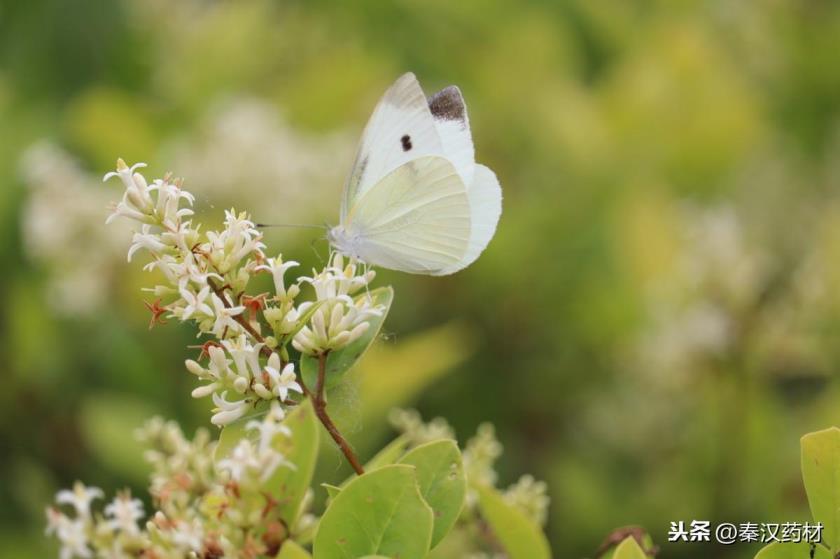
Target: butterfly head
[{"x": 342, "y": 240}]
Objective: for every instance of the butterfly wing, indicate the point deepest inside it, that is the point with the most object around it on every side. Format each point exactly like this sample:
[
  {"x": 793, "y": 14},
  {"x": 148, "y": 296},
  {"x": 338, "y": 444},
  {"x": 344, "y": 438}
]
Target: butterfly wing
[
  {"x": 453, "y": 126},
  {"x": 485, "y": 199},
  {"x": 416, "y": 219},
  {"x": 400, "y": 129}
]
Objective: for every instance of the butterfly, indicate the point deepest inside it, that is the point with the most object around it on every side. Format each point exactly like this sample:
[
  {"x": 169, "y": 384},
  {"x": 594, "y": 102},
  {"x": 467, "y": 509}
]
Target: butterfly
[{"x": 416, "y": 201}]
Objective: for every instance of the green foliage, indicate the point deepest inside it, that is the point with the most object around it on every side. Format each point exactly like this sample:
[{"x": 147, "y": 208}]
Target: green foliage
[
  {"x": 629, "y": 549},
  {"x": 381, "y": 512},
  {"x": 341, "y": 361},
  {"x": 440, "y": 476},
  {"x": 821, "y": 475},
  {"x": 291, "y": 550},
  {"x": 520, "y": 537},
  {"x": 289, "y": 485}
]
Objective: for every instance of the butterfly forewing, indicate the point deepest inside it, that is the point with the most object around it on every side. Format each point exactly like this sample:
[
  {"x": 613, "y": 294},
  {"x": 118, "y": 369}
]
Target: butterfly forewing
[
  {"x": 453, "y": 127},
  {"x": 401, "y": 129}
]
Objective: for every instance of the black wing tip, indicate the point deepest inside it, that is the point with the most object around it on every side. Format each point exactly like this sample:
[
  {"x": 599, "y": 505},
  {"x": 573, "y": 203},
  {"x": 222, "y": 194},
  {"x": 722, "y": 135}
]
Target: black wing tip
[{"x": 448, "y": 104}]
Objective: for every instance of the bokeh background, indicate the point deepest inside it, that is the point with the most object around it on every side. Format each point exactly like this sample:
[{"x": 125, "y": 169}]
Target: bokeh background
[{"x": 653, "y": 328}]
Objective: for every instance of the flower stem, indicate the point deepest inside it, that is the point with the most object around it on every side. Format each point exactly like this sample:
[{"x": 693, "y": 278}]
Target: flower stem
[{"x": 319, "y": 403}]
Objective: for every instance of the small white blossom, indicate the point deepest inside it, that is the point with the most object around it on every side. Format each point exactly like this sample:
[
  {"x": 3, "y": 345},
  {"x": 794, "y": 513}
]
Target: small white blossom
[
  {"x": 195, "y": 303},
  {"x": 188, "y": 535},
  {"x": 71, "y": 534},
  {"x": 80, "y": 498},
  {"x": 225, "y": 324},
  {"x": 339, "y": 320},
  {"x": 227, "y": 412},
  {"x": 282, "y": 381},
  {"x": 123, "y": 513},
  {"x": 278, "y": 269},
  {"x": 146, "y": 240},
  {"x": 260, "y": 460}
]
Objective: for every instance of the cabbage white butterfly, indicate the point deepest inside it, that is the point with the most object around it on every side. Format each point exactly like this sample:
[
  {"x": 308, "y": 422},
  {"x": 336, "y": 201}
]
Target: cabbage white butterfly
[{"x": 416, "y": 201}]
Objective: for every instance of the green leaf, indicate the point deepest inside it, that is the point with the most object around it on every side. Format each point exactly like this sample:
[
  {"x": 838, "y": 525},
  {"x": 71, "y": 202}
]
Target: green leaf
[
  {"x": 821, "y": 475},
  {"x": 521, "y": 538},
  {"x": 332, "y": 490},
  {"x": 389, "y": 454},
  {"x": 793, "y": 551},
  {"x": 378, "y": 513},
  {"x": 340, "y": 361},
  {"x": 629, "y": 549},
  {"x": 287, "y": 485},
  {"x": 440, "y": 476},
  {"x": 291, "y": 550},
  {"x": 385, "y": 457}
]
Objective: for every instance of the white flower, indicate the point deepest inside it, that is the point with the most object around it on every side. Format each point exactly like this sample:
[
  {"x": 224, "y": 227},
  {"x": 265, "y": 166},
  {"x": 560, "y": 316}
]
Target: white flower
[
  {"x": 246, "y": 357},
  {"x": 278, "y": 269},
  {"x": 188, "y": 535},
  {"x": 219, "y": 363},
  {"x": 257, "y": 462},
  {"x": 195, "y": 303},
  {"x": 168, "y": 200},
  {"x": 242, "y": 459},
  {"x": 227, "y": 412},
  {"x": 340, "y": 320},
  {"x": 136, "y": 203},
  {"x": 270, "y": 426},
  {"x": 123, "y": 513},
  {"x": 147, "y": 240},
  {"x": 225, "y": 323},
  {"x": 282, "y": 381},
  {"x": 80, "y": 498},
  {"x": 71, "y": 534}
]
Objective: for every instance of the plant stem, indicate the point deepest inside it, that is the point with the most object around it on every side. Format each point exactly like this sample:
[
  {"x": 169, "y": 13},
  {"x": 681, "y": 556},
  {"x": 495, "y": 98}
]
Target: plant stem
[
  {"x": 220, "y": 293},
  {"x": 320, "y": 405}
]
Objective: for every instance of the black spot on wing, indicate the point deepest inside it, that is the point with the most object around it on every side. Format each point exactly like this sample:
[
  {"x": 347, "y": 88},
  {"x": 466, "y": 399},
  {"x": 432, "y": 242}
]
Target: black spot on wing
[
  {"x": 448, "y": 104},
  {"x": 406, "y": 142}
]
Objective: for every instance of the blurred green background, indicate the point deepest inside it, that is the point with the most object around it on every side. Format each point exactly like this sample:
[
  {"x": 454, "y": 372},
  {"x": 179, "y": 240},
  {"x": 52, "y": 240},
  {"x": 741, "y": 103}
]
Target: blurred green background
[{"x": 652, "y": 329}]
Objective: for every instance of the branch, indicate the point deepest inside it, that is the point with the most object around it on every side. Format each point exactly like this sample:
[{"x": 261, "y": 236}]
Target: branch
[{"x": 319, "y": 403}]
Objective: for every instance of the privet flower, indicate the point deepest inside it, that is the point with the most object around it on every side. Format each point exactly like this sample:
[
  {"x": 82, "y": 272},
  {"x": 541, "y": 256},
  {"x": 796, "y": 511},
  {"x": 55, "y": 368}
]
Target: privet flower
[
  {"x": 339, "y": 319},
  {"x": 207, "y": 276},
  {"x": 202, "y": 509},
  {"x": 257, "y": 462},
  {"x": 531, "y": 497}
]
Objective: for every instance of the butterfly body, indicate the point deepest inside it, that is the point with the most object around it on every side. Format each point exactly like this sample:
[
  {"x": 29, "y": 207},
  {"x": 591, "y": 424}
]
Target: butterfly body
[{"x": 416, "y": 201}]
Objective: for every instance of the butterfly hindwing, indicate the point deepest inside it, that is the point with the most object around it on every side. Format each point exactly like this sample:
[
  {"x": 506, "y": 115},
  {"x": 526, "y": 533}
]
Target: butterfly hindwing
[
  {"x": 416, "y": 219},
  {"x": 485, "y": 199}
]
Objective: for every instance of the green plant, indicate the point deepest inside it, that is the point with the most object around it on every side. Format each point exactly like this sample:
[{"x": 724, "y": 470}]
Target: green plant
[{"x": 270, "y": 365}]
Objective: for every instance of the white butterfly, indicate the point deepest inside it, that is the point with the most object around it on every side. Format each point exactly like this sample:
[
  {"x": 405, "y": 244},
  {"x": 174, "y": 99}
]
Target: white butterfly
[{"x": 416, "y": 201}]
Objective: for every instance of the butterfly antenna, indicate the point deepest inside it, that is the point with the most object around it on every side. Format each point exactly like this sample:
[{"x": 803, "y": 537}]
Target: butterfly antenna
[{"x": 292, "y": 225}]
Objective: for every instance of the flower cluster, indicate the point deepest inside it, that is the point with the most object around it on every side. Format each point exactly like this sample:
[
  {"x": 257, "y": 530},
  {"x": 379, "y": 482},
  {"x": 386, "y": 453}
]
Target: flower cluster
[
  {"x": 202, "y": 509},
  {"x": 206, "y": 280}
]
